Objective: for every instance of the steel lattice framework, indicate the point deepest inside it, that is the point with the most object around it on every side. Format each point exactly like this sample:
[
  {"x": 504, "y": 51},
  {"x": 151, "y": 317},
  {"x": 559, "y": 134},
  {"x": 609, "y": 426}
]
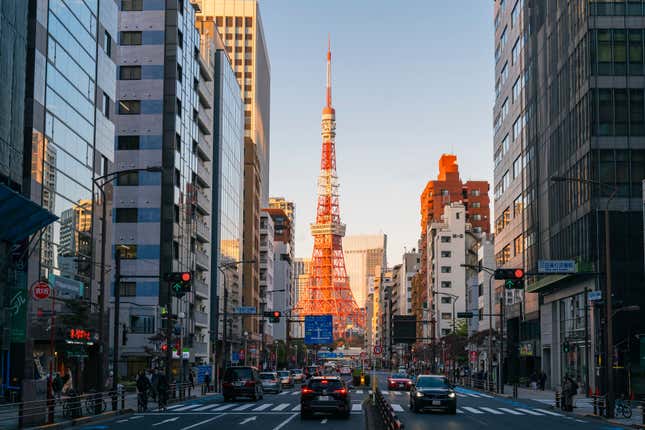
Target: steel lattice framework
[{"x": 329, "y": 291}]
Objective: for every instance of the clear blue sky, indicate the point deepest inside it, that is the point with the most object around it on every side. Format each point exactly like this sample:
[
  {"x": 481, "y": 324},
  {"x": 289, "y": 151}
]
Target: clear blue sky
[{"x": 412, "y": 79}]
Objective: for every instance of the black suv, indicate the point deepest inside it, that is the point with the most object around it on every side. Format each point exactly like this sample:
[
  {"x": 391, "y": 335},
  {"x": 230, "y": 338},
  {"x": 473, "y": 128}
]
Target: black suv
[
  {"x": 243, "y": 381},
  {"x": 433, "y": 392},
  {"x": 325, "y": 394}
]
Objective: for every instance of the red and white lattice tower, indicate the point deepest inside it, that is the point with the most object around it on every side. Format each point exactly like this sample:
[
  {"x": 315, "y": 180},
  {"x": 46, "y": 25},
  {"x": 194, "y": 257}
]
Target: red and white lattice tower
[{"x": 329, "y": 291}]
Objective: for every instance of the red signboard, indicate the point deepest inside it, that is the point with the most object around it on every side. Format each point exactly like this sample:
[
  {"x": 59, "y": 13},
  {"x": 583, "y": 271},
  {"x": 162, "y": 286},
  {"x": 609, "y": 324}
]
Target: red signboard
[
  {"x": 41, "y": 290},
  {"x": 473, "y": 356},
  {"x": 79, "y": 334}
]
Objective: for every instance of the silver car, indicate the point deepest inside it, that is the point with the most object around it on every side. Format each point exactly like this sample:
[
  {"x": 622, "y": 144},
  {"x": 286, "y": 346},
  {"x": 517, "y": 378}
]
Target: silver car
[
  {"x": 298, "y": 376},
  {"x": 271, "y": 382},
  {"x": 285, "y": 378}
]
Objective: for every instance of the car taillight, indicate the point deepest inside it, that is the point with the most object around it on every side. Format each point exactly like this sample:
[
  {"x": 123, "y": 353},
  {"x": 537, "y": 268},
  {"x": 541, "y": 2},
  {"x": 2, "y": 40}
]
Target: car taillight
[
  {"x": 306, "y": 390},
  {"x": 341, "y": 391},
  {"x": 250, "y": 384},
  {"x": 227, "y": 384}
]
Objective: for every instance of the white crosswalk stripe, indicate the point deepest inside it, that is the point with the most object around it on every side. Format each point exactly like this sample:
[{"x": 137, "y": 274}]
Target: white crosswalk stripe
[
  {"x": 243, "y": 407},
  {"x": 491, "y": 410},
  {"x": 185, "y": 408},
  {"x": 281, "y": 407},
  {"x": 385, "y": 392},
  {"x": 528, "y": 411},
  {"x": 473, "y": 410},
  {"x": 203, "y": 408},
  {"x": 544, "y": 411},
  {"x": 175, "y": 406},
  {"x": 359, "y": 391},
  {"x": 263, "y": 407},
  {"x": 295, "y": 393},
  {"x": 358, "y": 407},
  {"x": 224, "y": 407},
  {"x": 397, "y": 408},
  {"x": 511, "y": 411},
  {"x": 459, "y": 411},
  {"x": 296, "y": 409},
  {"x": 284, "y": 393}
]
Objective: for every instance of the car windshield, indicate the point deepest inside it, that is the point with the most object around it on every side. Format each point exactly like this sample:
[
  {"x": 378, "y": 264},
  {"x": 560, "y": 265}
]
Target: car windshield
[
  {"x": 297, "y": 371},
  {"x": 267, "y": 375},
  {"x": 399, "y": 376},
  {"x": 431, "y": 382},
  {"x": 330, "y": 384},
  {"x": 236, "y": 374},
  {"x": 284, "y": 373}
]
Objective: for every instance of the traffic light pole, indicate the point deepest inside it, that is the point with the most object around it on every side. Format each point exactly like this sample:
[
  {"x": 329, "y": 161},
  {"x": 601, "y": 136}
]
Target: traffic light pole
[{"x": 117, "y": 305}]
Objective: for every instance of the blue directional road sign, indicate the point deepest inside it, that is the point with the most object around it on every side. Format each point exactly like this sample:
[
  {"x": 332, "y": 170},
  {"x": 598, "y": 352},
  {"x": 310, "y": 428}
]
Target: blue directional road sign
[{"x": 318, "y": 329}]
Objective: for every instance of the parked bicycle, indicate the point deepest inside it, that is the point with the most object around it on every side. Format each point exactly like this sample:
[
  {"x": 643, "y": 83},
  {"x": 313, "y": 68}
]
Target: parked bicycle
[
  {"x": 95, "y": 406},
  {"x": 624, "y": 408},
  {"x": 72, "y": 406}
]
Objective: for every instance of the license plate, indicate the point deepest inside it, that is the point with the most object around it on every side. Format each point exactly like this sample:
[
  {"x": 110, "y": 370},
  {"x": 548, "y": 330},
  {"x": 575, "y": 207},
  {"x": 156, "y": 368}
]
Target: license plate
[
  {"x": 323, "y": 398},
  {"x": 238, "y": 384},
  {"x": 401, "y": 385},
  {"x": 436, "y": 403}
]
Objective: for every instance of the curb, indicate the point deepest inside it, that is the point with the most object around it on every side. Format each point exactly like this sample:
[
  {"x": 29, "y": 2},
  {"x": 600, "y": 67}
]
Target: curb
[{"x": 83, "y": 420}]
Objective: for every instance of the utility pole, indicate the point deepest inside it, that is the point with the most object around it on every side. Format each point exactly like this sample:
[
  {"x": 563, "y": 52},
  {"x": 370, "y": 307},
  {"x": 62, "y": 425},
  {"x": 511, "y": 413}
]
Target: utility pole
[
  {"x": 169, "y": 335},
  {"x": 117, "y": 304}
]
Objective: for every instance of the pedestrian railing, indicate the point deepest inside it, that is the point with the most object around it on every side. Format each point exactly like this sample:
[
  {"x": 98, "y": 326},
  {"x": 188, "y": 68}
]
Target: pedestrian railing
[
  {"x": 73, "y": 405},
  {"x": 388, "y": 416}
]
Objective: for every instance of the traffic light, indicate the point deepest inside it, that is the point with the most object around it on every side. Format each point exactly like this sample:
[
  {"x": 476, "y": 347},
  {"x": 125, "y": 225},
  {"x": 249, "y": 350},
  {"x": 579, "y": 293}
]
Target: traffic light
[
  {"x": 164, "y": 347},
  {"x": 566, "y": 347},
  {"x": 513, "y": 278},
  {"x": 180, "y": 282},
  {"x": 275, "y": 317}
]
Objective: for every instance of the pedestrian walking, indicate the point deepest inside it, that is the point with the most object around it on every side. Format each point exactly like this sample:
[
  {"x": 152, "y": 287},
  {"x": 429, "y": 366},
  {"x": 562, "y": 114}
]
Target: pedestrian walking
[
  {"x": 162, "y": 390},
  {"x": 207, "y": 382},
  {"x": 191, "y": 379},
  {"x": 542, "y": 380},
  {"x": 154, "y": 378},
  {"x": 143, "y": 385}
]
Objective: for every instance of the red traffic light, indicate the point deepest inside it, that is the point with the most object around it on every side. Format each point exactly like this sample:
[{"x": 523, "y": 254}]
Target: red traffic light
[
  {"x": 519, "y": 273},
  {"x": 164, "y": 347},
  {"x": 276, "y": 314},
  {"x": 185, "y": 276}
]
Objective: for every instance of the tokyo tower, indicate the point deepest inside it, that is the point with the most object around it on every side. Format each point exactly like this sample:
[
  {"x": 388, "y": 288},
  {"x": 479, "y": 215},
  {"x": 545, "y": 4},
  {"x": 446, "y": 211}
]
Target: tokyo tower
[{"x": 329, "y": 292}]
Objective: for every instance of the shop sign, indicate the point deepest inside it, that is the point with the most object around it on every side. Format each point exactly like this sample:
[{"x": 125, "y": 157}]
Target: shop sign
[
  {"x": 65, "y": 287},
  {"x": 18, "y": 311},
  {"x": 78, "y": 336},
  {"x": 526, "y": 349},
  {"x": 185, "y": 353}
]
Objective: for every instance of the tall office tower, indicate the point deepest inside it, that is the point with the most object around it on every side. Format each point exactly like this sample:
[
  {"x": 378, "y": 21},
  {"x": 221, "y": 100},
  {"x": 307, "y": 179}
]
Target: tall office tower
[
  {"x": 448, "y": 188},
  {"x": 363, "y": 253},
  {"x": 267, "y": 235},
  {"x": 301, "y": 276},
  {"x": 228, "y": 192},
  {"x": 289, "y": 208},
  {"x": 571, "y": 79},
  {"x": 163, "y": 220},
  {"x": 68, "y": 141},
  {"x": 240, "y": 26}
]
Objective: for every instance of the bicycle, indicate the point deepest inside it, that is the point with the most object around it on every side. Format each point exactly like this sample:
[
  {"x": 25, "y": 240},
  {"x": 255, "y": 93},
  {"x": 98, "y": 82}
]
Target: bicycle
[
  {"x": 95, "y": 406},
  {"x": 72, "y": 407},
  {"x": 623, "y": 408},
  {"x": 142, "y": 402}
]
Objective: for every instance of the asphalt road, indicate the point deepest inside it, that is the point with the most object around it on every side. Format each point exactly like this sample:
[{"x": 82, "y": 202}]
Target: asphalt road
[{"x": 281, "y": 412}]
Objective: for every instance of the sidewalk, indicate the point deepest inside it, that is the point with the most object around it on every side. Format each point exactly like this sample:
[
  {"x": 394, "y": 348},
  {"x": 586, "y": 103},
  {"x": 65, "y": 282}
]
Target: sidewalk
[{"x": 582, "y": 405}]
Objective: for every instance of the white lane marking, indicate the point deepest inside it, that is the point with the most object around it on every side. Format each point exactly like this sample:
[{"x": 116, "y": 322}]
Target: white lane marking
[
  {"x": 203, "y": 408},
  {"x": 528, "y": 411},
  {"x": 122, "y": 421},
  {"x": 397, "y": 393},
  {"x": 285, "y": 422},
  {"x": 136, "y": 417},
  {"x": 296, "y": 409},
  {"x": 511, "y": 411},
  {"x": 580, "y": 421},
  {"x": 459, "y": 411},
  {"x": 323, "y": 421},
  {"x": 176, "y": 406},
  {"x": 359, "y": 391},
  {"x": 491, "y": 410},
  {"x": 185, "y": 408},
  {"x": 544, "y": 411},
  {"x": 281, "y": 407},
  {"x": 485, "y": 395},
  {"x": 169, "y": 420},
  {"x": 223, "y": 408},
  {"x": 284, "y": 393},
  {"x": 357, "y": 407},
  {"x": 203, "y": 422},
  {"x": 472, "y": 395},
  {"x": 473, "y": 410},
  {"x": 263, "y": 407},
  {"x": 385, "y": 392},
  {"x": 249, "y": 419},
  {"x": 295, "y": 393},
  {"x": 243, "y": 407},
  {"x": 397, "y": 408}
]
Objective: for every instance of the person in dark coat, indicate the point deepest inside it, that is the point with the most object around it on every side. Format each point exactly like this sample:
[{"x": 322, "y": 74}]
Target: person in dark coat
[{"x": 143, "y": 385}]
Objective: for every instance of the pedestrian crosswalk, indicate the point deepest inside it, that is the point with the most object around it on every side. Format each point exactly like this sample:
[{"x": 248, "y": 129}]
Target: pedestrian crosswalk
[
  {"x": 251, "y": 407},
  {"x": 483, "y": 410}
]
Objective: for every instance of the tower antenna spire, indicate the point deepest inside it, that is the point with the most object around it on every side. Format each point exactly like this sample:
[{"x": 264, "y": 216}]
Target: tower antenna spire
[{"x": 328, "y": 70}]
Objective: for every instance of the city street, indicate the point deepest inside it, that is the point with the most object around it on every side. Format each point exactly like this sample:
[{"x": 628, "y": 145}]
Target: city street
[{"x": 475, "y": 410}]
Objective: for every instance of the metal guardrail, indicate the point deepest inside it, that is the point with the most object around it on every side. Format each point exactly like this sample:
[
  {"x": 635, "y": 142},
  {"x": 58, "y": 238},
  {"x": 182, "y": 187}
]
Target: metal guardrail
[
  {"x": 71, "y": 406},
  {"x": 390, "y": 420}
]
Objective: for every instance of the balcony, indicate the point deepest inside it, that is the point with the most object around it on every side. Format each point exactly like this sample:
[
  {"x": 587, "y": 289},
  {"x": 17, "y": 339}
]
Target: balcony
[
  {"x": 200, "y": 348},
  {"x": 203, "y": 202},
  {"x": 203, "y": 231},
  {"x": 204, "y": 148},
  {"x": 205, "y": 120},
  {"x": 202, "y": 289},
  {"x": 204, "y": 176},
  {"x": 205, "y": 93},
  {"x": 202, "y": 260},
  {"x": 201, "y": 319}
]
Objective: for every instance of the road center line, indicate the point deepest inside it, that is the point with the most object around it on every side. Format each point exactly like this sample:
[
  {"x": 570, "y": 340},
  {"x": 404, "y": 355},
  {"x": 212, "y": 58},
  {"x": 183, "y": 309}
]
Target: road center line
[
  {"x": 323, "y": 421},
  {"x": 282, "y": 424},
  {"x": 203, "y": 422}
]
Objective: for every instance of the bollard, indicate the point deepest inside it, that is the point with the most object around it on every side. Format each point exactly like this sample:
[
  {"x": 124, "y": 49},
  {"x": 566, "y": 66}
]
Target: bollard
[
  {"x": 515, "y": 390},
  {"x": 122, "y": 399},
  {"x": 557, "y": 399},
  {"x": 595, "y": 405},
  {"x": 601, "y": 406}
]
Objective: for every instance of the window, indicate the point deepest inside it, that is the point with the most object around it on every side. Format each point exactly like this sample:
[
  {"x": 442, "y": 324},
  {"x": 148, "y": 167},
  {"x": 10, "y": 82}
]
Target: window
[
  {"x": 517, "y": 50},
  {"x": 480, "y": 290},
  {"x": 506, "y": 181},
  {"x": 477, "y": 217},
  {"x": 517, "y": 206},
  {"x": 518, "y": 126},
  {"x": 504, "y": 73},
  {"x": 128, "y": 179},
  {"x": 517, "y": 245},
  {"x": 480, "y": 314},
  {"x": 176, "y": 212},
  {"x": 229, "y": 21},
  {"x": 475, "y": 205},
  {"x": 107, "y": 43},
  {"x": 175, "y": 250},
  {"x": 446, "y": 254},
  {"x": 506, "y": 144},
  {"x": 128, "y": 289},
  {"x": 180, "y": 38},
  {"x": 446, "y": 316},
  {"x": 128, "y": 252},
  {"x": 475, "y": 193},
  {"x": 503, "y": 39},
  {"x": 518, "y": 86},
  {"x": 445, "y": 331},
  {"x": 177, "y": 178},
  {"x": 446, "y": 269},
  {"x": 125, "y": 215},
  {"x": 131, "y": 5},
  {"x": 106, "y": 105},
  {"x": 446, "y": 284},
  {"x": 180, "y": 73},
  {"x": 128, "y": 142},
  {"x": 142, "y": 324},
  {"x": 445, "y": 300},
  {"x": 129, "y": 38},
  {"x": 130, "y": 73},
  {"x": 515, "y": 13},
  {"x": 129, "y": 107},
  {"x": 504, "y": 109},
  {"x": 445, "y": 239},
  {"x": 517, "y": 167}
]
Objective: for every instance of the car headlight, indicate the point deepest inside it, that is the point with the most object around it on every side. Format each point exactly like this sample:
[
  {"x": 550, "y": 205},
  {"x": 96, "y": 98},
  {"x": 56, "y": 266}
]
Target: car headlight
[
  {"x": 418, "y": 394},
  {"x": 452, "y": 395}
]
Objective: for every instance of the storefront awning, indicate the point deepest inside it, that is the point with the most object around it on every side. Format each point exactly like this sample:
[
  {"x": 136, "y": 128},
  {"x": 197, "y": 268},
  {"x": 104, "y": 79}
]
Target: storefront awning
[{"x": 20, "y": 217}]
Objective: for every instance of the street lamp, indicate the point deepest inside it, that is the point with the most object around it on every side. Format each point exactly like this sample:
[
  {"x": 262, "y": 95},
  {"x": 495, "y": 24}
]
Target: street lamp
[
  {"x": 246, "y": 338},
  {"x": 104, "y": 180},
  {"x": 609, "y": 343}
]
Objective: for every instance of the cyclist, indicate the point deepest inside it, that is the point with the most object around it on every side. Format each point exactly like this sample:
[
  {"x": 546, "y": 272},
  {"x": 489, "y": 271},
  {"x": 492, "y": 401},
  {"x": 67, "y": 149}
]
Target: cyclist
[{"x": 143, "y": 385}]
